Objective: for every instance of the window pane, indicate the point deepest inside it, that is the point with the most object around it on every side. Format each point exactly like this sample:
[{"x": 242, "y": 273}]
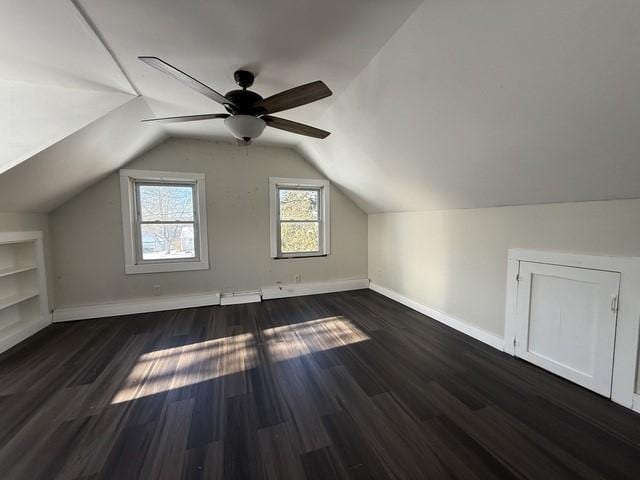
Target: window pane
[
  {"x": 167, "y": 241},
  {"x": 166, "y": 203},
  {"x": 298, "y": 204},
  {"x": 299, "y": 237}
]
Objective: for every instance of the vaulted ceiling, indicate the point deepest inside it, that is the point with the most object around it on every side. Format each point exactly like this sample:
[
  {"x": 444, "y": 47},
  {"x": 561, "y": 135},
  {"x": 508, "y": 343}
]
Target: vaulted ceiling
[
  {"x": 284, "y": 42},
  {"x": 457, "y": 104},
  {"x": 478, "y": 103},
  {"x": 69, "y": 68},
  {"x": 54, "y": 77}
]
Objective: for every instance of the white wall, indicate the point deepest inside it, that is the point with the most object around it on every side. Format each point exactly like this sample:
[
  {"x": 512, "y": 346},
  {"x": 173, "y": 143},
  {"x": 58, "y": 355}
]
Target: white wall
[
  {"x": 455, "y": 261},
  {"x": 20, "y": 222},
  {"x": 87, "y": 230}
]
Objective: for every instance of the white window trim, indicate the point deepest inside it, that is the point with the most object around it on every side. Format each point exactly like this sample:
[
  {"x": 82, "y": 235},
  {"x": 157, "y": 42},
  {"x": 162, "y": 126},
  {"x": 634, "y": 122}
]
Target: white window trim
[
  {"x": 325, "y": 215},
  {"x": 127, "y": 197}
]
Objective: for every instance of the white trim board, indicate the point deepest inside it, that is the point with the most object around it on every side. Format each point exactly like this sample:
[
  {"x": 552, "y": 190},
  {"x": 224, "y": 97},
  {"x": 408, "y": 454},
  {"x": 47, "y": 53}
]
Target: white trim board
[
  {"x": 625, "y": 356},
  {"x": 157, "y": 304},
  {"x": 300, "y": 289},
  {"x": 237, "y": 298},
  {"x": 484, "y": 336},
  {"x": 636, "y": 402},
  {"x": 129, "y": 307}
]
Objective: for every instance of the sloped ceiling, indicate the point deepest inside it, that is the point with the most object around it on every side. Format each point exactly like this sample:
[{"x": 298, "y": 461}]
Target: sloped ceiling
[
  {"x": 53, "y": 176},
  {"x": 72, "y": 114},
  {"x": 285, "y": 42},
  {"x": 55, "y": 77},
  {"x": 477, "y": 103},
  {"x": 438, "y": 104}
]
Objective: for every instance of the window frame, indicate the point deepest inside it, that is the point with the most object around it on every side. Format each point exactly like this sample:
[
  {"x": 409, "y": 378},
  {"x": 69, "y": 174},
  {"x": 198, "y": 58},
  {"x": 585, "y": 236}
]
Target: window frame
[
  {"x": 138, "y": 222},
  {"x": 132, "y": 233},
  {"x": 324, "y": 212}
]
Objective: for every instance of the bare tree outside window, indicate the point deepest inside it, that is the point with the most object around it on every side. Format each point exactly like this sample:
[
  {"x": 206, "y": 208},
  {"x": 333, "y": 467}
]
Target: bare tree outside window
[{"x": 167, "y": 221}]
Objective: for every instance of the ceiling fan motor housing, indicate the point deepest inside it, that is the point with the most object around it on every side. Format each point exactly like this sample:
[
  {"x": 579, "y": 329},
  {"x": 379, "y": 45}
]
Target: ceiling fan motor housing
[{"x": 244, "y": 100}]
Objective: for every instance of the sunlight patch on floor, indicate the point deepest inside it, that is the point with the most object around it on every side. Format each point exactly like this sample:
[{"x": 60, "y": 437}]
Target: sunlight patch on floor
[
  {"x": 178, "y": 367},
  {"x": 290, "y": 341},
  {"x": 173, "y": 368}
]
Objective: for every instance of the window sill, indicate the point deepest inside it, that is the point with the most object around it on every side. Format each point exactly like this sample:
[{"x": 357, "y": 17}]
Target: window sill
[
  {"x": 166, "y": 267},
  {"x": 320, "y": 255}
]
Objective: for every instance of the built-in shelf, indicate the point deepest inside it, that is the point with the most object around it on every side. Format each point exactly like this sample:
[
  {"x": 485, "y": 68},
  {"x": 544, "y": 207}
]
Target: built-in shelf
[
  {"x": 15, "y": 327},
  {"x": 24, "y": 308},
  {"x": 5, "y": 272},
  {"x": 11, "y": 300},
  {"x": 16, "y": 332}
]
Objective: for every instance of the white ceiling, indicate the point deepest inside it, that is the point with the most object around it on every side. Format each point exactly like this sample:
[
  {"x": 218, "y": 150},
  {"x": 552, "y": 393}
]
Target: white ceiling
[
  {"x": 34, "y": 117},
  {"x": 53, "y": 176},
  {"x": 64, "y": 95},
  {"x": 462, "y": 104},
  {"x": 285, "y": 42},
  {"x": 55, "y": 77},
  {"x": 47, "y": 42},
  {"x": 477, "y": 103}
]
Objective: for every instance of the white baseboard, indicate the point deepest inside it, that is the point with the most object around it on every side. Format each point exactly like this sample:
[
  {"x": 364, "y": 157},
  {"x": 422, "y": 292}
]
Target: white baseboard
[
  {"x": 236, "y": 298},
  {"x": 299, "y": 289},
  {"x": 129, "y": 307},
  {"x": 453, "y": 322},
  {"x": 156, "y": 304},
  {"x": 636, "y": 402}
]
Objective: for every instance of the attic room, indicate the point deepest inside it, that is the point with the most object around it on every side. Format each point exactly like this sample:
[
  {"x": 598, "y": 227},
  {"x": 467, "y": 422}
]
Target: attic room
[{"x": 314, "y": 240}]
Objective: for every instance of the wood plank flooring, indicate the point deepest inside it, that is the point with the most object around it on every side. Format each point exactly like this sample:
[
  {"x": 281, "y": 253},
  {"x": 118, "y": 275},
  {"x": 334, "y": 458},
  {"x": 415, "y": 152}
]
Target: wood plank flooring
[{"x": 348, "y": 385}]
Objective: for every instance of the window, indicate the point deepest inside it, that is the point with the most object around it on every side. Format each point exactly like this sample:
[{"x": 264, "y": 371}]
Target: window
[
  {"x": 164, "y": 221},
  {"x": 299, "y": 217}
]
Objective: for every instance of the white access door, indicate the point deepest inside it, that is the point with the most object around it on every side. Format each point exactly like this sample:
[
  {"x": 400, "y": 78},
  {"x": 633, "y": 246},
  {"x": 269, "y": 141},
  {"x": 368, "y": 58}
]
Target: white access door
[{"x": 566, "y": 322}]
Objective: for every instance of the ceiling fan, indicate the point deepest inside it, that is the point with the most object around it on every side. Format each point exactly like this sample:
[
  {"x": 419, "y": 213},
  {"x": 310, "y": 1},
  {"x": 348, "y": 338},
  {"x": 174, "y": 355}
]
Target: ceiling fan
[{"x": 248, "y": 113}]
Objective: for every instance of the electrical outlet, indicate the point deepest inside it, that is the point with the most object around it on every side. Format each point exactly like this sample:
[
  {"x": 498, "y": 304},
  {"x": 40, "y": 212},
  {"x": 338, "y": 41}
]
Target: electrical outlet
[
  {"x": 157, "y": 290},
  {"x": 297, "y": 278}
]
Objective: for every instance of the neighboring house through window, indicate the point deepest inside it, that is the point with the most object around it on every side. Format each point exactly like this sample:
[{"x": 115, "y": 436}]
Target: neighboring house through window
[
  {"x": 164, "y": 221},
  {"x": 299, "y": 210}
]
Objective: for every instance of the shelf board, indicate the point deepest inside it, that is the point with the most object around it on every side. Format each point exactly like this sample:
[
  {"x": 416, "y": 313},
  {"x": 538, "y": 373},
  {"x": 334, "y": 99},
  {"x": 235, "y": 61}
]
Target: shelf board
[
  {"x": 14, "y": 333},
  {"x": 4, "y": 272},
  {"x": 14, "y": 299}
]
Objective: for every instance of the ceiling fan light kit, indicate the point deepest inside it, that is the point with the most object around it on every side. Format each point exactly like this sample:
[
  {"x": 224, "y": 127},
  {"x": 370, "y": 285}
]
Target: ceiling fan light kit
[
  {"x": 249, "y": 113},
  {"x": 245, "y": 127}
]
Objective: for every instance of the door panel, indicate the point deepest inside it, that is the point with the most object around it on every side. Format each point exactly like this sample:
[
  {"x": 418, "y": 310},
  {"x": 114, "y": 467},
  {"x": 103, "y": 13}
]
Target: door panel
[{"x": 566, "y": 323}]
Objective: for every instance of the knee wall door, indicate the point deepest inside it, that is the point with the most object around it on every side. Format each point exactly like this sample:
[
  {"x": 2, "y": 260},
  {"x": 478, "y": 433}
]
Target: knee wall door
[{"x": 566, "y": 322}]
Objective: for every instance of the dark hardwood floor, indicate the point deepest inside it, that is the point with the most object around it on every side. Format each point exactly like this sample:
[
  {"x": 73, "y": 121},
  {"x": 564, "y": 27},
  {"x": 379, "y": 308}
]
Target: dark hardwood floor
[{"x": 347, "y": 385}]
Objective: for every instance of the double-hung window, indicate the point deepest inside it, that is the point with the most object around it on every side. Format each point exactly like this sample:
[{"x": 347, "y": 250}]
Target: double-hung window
[
  {"x": 299, "y": 217},
  {"x": 164, "y": 221}
]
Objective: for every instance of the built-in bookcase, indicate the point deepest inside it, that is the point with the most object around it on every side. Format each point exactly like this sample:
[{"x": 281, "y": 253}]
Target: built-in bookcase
[{"x": 24, "y": 306}]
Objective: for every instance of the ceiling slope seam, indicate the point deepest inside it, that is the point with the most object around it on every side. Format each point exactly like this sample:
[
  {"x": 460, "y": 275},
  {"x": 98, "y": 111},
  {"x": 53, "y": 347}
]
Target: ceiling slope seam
[{"x": 90, "y": 24}]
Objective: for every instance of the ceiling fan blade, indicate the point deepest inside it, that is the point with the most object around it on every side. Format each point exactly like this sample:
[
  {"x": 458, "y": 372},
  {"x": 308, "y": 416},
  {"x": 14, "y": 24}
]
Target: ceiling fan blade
[
  {"x": 188, "y": 118},
  {"x": 294, "y": 97},
  {"x": 295, "y": 127},
  {"x": 188, "y": 80}
]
